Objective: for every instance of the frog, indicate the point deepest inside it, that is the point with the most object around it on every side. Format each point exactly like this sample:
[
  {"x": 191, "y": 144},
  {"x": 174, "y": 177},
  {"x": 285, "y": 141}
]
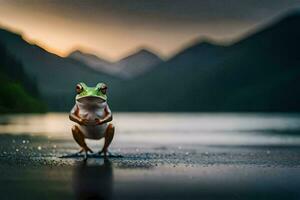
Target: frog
[{"x": 93, "y": 118}]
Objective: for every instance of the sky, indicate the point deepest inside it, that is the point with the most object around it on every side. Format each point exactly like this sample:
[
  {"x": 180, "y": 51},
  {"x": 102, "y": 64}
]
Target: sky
[{"x": 112, "y": 29}]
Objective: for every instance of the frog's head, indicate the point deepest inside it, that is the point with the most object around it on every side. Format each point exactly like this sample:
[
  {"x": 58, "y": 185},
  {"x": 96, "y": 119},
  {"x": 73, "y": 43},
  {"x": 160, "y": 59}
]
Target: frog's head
[{"x": 87, "y": 94}]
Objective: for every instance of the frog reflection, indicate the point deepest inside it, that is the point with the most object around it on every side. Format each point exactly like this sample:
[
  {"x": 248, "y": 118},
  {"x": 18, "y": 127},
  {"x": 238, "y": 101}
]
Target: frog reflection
[{"x": 93, "y": 181}]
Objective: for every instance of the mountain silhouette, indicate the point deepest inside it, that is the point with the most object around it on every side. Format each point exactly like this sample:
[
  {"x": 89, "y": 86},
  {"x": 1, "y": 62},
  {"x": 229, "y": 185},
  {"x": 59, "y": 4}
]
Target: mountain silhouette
[
  {"x": 18, "y": 92},
  {"x": 94, "y": 62},
  {"x": 133, "y": 65},
  {"x": 260, "y": 72},
  {"x": 55, "y": 76}
]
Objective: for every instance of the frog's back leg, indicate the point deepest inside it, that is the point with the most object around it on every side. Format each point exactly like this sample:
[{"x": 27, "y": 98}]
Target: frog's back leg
[
  {"x": 79, "y": 138},
  {"x": 108, "y": 137}
]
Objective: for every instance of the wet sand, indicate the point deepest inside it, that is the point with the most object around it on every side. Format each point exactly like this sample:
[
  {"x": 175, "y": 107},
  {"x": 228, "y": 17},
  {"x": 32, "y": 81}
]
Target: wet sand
[{"x": 31, "y": 169}]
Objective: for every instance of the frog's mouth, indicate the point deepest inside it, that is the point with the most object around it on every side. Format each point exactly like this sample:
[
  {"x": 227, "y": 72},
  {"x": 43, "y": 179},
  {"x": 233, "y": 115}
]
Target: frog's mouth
[{"x": 91, "y": 99}]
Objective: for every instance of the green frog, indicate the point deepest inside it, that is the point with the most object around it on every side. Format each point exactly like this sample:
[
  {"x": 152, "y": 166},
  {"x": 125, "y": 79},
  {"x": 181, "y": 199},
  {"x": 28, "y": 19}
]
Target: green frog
[{"x": 93, "y": 117}]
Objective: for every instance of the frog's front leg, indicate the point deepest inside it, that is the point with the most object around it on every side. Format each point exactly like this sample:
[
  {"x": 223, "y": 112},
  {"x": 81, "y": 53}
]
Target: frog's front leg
[
  {"x": 79, "y": 138},
  {"x": 108, "y": 137}
]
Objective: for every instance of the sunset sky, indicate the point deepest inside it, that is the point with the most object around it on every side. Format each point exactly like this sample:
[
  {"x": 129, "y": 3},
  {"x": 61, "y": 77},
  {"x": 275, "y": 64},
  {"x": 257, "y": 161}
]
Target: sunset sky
[{"x": 112, "y": 29}]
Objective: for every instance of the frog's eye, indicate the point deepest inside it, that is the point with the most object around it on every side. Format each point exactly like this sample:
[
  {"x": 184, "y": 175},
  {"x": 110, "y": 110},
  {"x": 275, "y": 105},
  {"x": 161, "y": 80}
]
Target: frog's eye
[
  {"x": 79, "y": 88},
  {"x": 103, "y": 89}
]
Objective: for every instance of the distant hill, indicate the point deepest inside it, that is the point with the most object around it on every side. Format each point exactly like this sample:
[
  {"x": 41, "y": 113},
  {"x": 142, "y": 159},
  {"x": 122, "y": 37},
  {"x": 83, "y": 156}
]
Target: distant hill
[
  {"x": 18, "y": 92},
  {"x": 261, "y": 72},
  {"x": 94, "y": 62},
  {"x": 258, "y": 73},
  {"x": 56, "y": 77},
  {"x": 128, "y": 67}
]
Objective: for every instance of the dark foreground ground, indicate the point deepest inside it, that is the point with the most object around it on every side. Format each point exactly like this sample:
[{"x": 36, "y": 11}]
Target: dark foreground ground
[{"x": 31, "y": 169}]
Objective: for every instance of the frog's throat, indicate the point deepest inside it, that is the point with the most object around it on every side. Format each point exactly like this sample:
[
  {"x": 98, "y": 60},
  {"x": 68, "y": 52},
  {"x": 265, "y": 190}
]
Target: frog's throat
[{"x": 91, "y": 98}]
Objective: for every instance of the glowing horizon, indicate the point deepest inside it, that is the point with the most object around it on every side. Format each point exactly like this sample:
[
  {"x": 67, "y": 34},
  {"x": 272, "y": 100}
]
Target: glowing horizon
[
  {"x": 112, "y": 30},
  {"x": 64, "y": 52}
]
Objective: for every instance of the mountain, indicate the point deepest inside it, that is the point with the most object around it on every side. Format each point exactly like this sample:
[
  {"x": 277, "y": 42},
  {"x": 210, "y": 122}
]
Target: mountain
[
  {"x": 261, "y": 72},
  {"x": 55, "y": 76},
  {"x": 138, "y": 63},
  {"x": 94, "y": 62},
  {"x": 18, "y": 92},
  {"x": 128, "y": 67},
  {"x": 258, "y": 73}
]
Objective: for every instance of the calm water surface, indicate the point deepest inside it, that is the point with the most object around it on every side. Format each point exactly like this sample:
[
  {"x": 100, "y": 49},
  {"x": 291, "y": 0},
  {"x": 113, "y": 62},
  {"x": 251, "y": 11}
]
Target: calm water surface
[{"x": 160, "y": 128}]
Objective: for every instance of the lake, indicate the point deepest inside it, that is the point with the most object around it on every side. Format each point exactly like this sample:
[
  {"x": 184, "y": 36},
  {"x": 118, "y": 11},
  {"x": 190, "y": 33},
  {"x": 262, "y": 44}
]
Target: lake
[{"x": 163, "y": 128}]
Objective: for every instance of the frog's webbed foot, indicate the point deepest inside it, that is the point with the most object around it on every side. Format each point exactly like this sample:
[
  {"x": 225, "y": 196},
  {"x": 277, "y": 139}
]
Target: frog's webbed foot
[
  {"x": 103, "y": 152},
  {"x": 80, "y": 151},
  {"x": 84, "y": 151},
  {"x": 108, "y": 154}
]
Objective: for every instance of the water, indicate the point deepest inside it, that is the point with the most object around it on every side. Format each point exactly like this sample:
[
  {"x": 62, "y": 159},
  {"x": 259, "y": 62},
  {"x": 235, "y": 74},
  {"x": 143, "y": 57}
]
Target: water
[
  {"x": 163, "y": 128},
  {"x": 166, "y": 156}
]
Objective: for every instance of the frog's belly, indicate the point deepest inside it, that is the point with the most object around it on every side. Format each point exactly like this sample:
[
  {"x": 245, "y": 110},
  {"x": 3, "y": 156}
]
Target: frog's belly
[{"x": 94, "y": 132}]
